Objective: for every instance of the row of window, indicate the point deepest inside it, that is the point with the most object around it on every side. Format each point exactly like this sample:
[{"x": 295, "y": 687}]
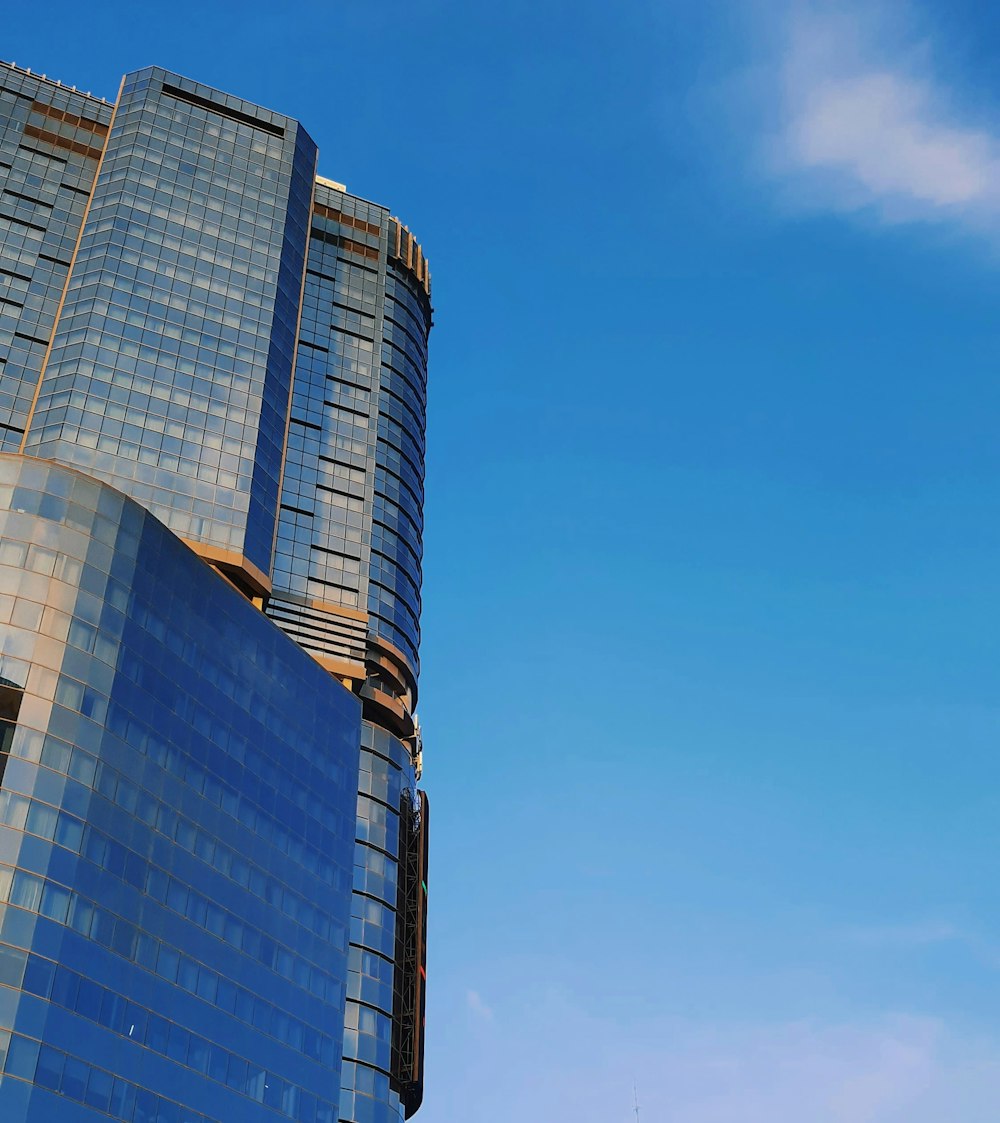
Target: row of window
[
  {"x": 318, "y": 364},
  {"x": 108, "y": 1008},
  {"x": 192, "y": 131},
  {"x": 406, "y": 523},
  {"x": 58, "y": 216},
  {"x": 400, "y": 550},
  {"x": 367, "y": 1048},
  {"x": 185, "y": 105},
  {"x": 392, "y": 622},
  {"x": 377, "y": 877},
  {"x": 24, "y": 86},
  {"x": 349, "y": 204},
  {"x": 194, "y": 235},
  {"x": 366, "y": 1081},
  {"x": 409, "y": 443},
  {"x": 369, "y": 977},
  {"x": 177, "y": 325},
  {"x": 50, "y": 426},
  {"x": 254, "y": 291},
  {"x": 166, "y": 409},
  {"x": 300, "y": 786},
  {"x": 117, "y": 188},
  {"x": 402, "y": 315},
  {"x": 169, "y": 437},
  {"x": 373, "y": 924},
  {"x": 388, "y": 516},
  {"x": 302, "y": 822},
  {"x": 82, "y": 766},
  {"x": 136, "y": 144},
  {"x": 400, "y": 491},
  {"x": 295, "y": 777},
  {"x": 206, "y": 302},
  {"x": 358, "y": 1107},
  {"x": 27, "y": 1059},
  {"x": 396, "y": 398},
  {"x": 403, "y": 286},
  {"x": 36, "y": 895},
  {"x": 22, "y": 813}
]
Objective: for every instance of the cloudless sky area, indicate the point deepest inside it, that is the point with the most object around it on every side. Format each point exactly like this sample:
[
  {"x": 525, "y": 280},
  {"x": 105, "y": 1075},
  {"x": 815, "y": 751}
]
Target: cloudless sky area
[{"x": 711, "y": 628}]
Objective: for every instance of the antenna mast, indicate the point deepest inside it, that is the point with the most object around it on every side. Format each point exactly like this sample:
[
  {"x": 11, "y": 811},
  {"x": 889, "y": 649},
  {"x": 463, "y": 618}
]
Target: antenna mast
[{"x": 635, "y": 1100}]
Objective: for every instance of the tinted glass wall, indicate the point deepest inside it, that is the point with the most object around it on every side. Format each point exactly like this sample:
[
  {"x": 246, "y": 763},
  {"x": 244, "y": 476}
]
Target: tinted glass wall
[
  {"x": 176, "y": 828},
  {"x": 51, "y": 139},
  {"x": 171, "y": 363},
  {"x": 371, "y": 1092}
]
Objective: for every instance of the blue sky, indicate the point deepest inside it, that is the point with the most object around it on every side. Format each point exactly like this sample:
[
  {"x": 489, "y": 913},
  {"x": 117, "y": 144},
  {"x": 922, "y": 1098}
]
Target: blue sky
[{"x": 711, "y": 629}]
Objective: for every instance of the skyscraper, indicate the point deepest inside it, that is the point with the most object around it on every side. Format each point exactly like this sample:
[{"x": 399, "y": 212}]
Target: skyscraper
[{"x": 195, "y": 326}]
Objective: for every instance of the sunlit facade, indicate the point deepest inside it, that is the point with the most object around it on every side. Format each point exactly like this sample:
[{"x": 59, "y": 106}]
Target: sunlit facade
[{"x": 208, "y": 354}]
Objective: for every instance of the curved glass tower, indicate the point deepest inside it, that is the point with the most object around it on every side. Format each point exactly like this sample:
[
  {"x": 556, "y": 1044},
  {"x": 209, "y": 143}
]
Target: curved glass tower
[
  {"x": 347, "y": 578},
  {"x": 208, "y": 354}
]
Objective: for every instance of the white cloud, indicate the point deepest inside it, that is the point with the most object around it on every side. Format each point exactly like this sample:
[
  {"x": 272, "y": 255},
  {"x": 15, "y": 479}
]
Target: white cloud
[
  {"x": 926, "y": 933},
  {"x": 919, "y": 933},
  {"x": 475, "y": 1003},
  {"x": 826, "y": 1073},
  {"x": 865, "y": 124},
  {"x": 565, "y": 1062}
]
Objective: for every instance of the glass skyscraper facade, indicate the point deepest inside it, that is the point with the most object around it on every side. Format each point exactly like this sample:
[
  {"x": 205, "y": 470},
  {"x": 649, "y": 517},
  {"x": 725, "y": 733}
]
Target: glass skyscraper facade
[
  {"x": 207, "y": 352},
  {"x": 176, "y": 826}
]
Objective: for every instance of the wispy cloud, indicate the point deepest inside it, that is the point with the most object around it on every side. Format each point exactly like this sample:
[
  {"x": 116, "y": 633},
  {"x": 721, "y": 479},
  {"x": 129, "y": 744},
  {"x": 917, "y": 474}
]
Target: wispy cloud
[
  {"x": 864, "y": 123},
  {"x": 922, "y": 933},
  {"x": 926, "y": 934},
  {"x": 571, "y": 1063},
  {"x": 475, "y": 1003}
]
